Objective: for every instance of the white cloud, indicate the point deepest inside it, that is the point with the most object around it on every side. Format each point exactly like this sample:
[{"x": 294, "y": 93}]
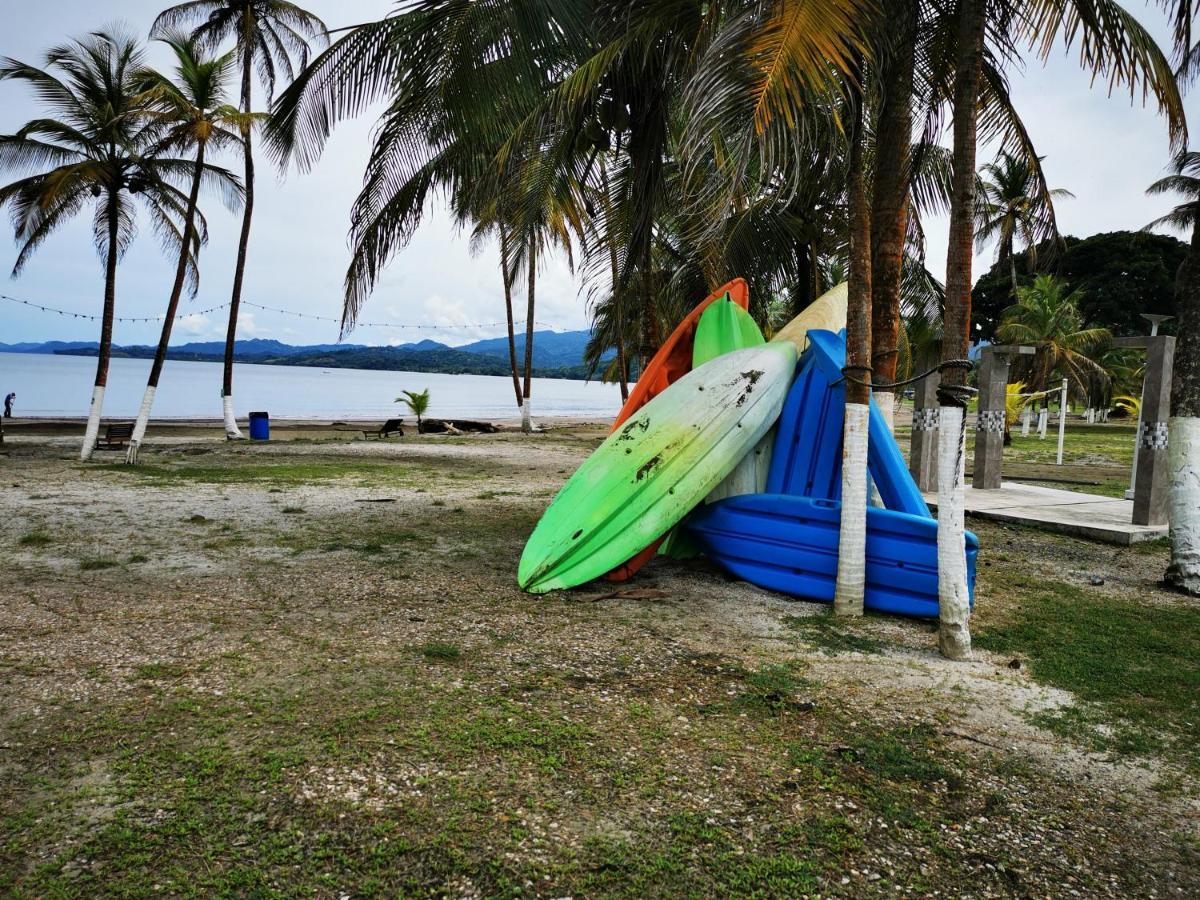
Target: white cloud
[{"x": 194, "y": 324}]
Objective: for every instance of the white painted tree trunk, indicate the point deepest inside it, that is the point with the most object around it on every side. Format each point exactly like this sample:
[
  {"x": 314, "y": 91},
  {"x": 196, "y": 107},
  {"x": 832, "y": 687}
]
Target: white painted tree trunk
[
  {"x": 885, "y": 401},
  {"x": 852, "y": 536},
  {"x": 1183, "y": 448},
  {"x": 232, "y": 432},
  {"x": 1043, "y": 419},
  {"x": 139, "y": 427},
  {"x": 1025, "y": 422},
  {"x": 527, "y": 425},
  {"x": 954, "y": 608},
  {"x": 93, "y": 424}
]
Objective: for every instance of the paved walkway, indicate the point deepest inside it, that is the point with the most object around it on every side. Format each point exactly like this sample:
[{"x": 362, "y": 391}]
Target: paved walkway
[{"x": 1084, "y": 515}]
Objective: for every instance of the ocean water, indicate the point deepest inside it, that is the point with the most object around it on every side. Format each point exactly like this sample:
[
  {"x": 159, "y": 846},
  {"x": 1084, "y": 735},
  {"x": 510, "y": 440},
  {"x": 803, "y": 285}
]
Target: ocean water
[{"x": 48, "y": 385}]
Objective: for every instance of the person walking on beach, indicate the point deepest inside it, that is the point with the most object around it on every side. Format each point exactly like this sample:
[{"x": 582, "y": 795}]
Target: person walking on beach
[{"x": 8, "y": 402}]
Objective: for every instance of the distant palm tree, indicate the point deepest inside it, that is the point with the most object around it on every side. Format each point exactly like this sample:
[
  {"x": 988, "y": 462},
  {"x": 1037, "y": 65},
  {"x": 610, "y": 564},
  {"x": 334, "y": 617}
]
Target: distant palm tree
[
  {"x": 1009, "y": 206},
  {"x": 192, "y": 107},
  {"x": 1048, "y": 318},
  {"x": 99, "y": 145},
  {"x": 417, "y": 403},
  {"x": 269, "y": 34}
]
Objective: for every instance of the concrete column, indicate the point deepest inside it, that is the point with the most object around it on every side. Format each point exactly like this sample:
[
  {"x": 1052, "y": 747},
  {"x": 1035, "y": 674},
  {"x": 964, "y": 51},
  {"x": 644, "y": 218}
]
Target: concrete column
[
  {"x": 1150, "y": 498},
  {"x": 923, "y": 447},
  {"x": 989, "y": 424}
]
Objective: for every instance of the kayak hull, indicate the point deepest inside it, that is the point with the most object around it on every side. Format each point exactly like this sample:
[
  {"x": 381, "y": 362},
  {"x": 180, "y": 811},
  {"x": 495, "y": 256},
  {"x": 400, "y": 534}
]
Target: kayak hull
[
  {"x": 807, "y": 456},
  {"x": 790, "y": 544},
  {"x": 674, "y": 358},
  {"x": 724, "y": 325},
  {"x": 657, "y": 467}
]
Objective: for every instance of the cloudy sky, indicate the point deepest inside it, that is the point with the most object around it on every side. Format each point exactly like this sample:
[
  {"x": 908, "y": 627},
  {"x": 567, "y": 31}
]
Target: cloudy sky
[{"x": 1103, "y": 149}]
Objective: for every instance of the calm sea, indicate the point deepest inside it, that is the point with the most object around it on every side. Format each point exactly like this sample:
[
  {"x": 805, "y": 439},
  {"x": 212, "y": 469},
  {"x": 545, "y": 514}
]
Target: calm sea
[{"x": 48, "y": 385}]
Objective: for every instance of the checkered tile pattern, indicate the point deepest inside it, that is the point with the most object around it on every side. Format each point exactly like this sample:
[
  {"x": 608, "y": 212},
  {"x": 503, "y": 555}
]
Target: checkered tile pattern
[
  {"x": 925, "y": 419},
  {"x": 1153, "y": 436},
  {"x": 991, "y": 421}
]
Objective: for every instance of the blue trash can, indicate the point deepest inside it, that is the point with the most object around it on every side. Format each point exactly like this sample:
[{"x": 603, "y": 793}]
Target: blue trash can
[{"x": 260, "y": 426}]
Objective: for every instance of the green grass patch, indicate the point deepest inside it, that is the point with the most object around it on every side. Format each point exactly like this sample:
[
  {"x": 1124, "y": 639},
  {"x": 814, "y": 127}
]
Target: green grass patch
[
  {"x": 96, "y": 563},
  {"x": 1135, "y": 667},
  {"x": 275, "y": 474},
  {"x": 833, "y": 634},
  {"x": 440, "y": 651},
  {"x": 36, "y": 539}
]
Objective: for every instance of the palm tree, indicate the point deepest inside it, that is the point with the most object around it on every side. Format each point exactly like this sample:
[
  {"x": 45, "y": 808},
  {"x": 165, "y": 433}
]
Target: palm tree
[
  {"x": 417, "y": 403},
  {"x": 1046, "y": 317},
  {"x": 1009, "y": 206},
  {"x": 269, "y": 34},
  {"x": 851, "y": 573},
  {"x": 1183, "y": 436},
  {"x": 100, "y": 145},
  {"x": 193, "y": 109}
]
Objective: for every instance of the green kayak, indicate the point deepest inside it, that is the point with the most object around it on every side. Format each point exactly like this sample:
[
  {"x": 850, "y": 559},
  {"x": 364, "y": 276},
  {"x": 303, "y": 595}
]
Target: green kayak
[
  {"x": 725, "y": 326},
  {"x": 654, "y": 469}
]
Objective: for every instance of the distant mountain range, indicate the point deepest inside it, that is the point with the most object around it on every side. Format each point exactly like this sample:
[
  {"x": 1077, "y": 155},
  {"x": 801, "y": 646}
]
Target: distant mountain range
[{"x": 556, "y": 354}]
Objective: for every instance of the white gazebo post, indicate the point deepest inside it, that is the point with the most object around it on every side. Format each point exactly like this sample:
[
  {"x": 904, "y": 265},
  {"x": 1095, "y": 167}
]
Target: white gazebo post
[
  {"x": 1062, "y": 419},
  {"x": 1155, "y": 320}
]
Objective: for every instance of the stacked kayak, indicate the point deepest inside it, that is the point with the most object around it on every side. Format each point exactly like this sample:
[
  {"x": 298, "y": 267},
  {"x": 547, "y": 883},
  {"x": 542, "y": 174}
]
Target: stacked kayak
[
  {"x": 657, "y": 467},
  {"x": 722, "y": 325},
  {"x": 786, "y": 539},
  {"x": 789, "y": 543},
  {"x": 729, "y": 439}
]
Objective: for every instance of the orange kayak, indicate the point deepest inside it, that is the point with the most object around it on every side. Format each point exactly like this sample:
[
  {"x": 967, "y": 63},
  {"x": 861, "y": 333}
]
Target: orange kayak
[
  {"x": 674, "y": 358},
  {"x": 672, "y": 361}
]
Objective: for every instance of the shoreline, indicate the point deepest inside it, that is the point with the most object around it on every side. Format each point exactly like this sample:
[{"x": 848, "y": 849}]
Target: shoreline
[{"x": 187, "y": 426}]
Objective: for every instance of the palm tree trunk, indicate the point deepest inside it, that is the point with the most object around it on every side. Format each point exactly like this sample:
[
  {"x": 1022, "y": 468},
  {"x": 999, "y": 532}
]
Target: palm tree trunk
[
  {"x": 622, "y": 361},
  {"x": 160, "y": 352},
  {"x": 851, "y": 571},
  {"x": 1183, "y": 438},
  {"x": 526, "y": 414},
  {"x": 889, "y": 208},
  {"x": 954, "y": 634},
  {"x": 508, "y": 309},
  {"x": 239, "y": 272},
  {"x": 1012, "y": 272},
  {"x": 802, "y": 292},
  {"x": 92, "y": 431}
]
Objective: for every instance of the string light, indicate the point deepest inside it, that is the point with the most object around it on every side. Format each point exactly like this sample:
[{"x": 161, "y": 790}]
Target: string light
[{"x": 286, "y": 312}]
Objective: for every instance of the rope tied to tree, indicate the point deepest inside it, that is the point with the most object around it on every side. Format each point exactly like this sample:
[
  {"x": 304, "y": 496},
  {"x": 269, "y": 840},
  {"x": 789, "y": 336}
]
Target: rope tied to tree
[
  {"x": 892, "y": 385},
  {"x": 958, "y": 395}
]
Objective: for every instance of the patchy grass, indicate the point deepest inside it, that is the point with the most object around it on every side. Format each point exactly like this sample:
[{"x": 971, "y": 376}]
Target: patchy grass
[
  {"x": 275, "y": 474},
  {"x": 834, "y": 634},
  {"x": 441, "y": 652},
  {"x": 96, "y": 563},
  {"x": 294, "y": 510},
  {"x": 36, "y": 539},
  {"x": 1135, "y": 666}
]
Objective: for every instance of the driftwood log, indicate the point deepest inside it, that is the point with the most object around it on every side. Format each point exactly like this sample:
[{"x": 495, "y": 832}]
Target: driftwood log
[{"x": 456, "y": 426}]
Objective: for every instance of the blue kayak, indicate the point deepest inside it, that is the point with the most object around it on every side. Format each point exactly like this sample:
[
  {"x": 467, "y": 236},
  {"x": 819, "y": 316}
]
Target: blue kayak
[
  {"x": 807, "y": 456},
  {"x": 789, "y": 543}
]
